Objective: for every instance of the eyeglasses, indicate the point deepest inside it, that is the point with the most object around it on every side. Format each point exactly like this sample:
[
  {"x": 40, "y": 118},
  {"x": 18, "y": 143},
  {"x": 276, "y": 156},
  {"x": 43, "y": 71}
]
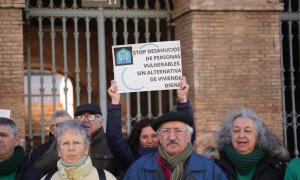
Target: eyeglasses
[
  {"x": 56, "y": 125},
  {"x": 177, "y": 132},
  {"x": 90, "y": 117}
]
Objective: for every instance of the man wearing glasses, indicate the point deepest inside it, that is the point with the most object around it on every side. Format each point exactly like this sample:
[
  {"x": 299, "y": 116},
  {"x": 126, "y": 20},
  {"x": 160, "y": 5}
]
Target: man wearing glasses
[
  {"x": 91, "y": 116},
  {"x": 175, "y": 158}
]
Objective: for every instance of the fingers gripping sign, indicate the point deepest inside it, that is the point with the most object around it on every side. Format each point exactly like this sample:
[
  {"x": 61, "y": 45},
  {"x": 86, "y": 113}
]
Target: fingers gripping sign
[
  {"x": 113, "y": 92},
  {"x": 183, "y": 90}
]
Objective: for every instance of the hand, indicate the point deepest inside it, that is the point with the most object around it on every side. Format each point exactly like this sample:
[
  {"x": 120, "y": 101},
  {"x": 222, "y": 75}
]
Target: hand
[
  {"x": 113, "y": 92},
  {"x": 183, "y": 90}
]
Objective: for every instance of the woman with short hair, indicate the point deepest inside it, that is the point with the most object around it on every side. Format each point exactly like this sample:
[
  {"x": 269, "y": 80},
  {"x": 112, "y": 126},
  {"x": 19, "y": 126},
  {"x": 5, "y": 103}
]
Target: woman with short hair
[{"x": 73, "y": 145}]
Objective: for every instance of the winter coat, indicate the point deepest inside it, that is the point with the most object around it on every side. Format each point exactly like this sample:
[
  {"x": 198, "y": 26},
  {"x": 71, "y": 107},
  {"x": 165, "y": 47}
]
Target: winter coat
[
  {"x": 101, "y": 156},
  {"x": 99, "y": 153},
  {"x": 197, "y": 167},
  {"x": 292, "y": 171},
  {"x": 269, "y": 167},
  {"x": 83, "y": 172},
  {"x": 30, "y": 172},
  {"x": 123, "y": 153}
]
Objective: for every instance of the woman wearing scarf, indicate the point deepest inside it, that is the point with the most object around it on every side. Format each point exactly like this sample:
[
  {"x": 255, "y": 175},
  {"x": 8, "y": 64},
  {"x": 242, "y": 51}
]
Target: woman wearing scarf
[
  {"x": 143, "y": 139},
  {"x": 248, "y": 149},
  {"x": 73, "y": 148}
]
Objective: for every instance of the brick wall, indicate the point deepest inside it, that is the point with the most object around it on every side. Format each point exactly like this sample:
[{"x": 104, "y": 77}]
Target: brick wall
[
  {"x": 231, "y": 59},
  {"x": 11, "y": 60}
]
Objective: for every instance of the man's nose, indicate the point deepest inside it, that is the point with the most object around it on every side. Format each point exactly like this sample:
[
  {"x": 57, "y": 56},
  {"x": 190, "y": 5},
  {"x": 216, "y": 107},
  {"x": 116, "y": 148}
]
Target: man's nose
[{"x": 172, "y": 135}]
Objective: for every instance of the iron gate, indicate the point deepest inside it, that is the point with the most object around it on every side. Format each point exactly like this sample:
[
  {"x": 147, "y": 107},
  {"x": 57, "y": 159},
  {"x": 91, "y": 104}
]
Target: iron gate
[
  {"x": 68, "y": 43},
  {"x": 290, "y": 66}
]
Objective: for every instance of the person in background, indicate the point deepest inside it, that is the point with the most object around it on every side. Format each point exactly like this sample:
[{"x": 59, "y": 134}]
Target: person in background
[
  {"x": 43, "y": 159},
  {"x": 293, "y": 170},
  {"x": 143, "y": 139},
  {"x": 248, "y": 149},
  {"x": 175, "y": 158},
  {"x": 12, "y": 156},
  {"x": 91, "y": 116},
  {"x": 73, "y": 145}
]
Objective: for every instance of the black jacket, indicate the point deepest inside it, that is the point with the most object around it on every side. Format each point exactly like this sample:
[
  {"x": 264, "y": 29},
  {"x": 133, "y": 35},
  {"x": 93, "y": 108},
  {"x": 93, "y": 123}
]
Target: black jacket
[
  {"x": 29, "y": 172},
  {"x": 269, "y": 167}
]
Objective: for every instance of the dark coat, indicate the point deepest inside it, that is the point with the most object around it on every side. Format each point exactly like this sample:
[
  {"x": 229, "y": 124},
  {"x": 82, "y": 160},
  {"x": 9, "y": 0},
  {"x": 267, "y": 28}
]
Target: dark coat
[
  {"x": 29, "y": 172},
  {"x": 197, "y": 167},
  {"x": 101, "y": 155},
  {"x": 124, "y": 154},
  {"x": 269, "y": 167}
]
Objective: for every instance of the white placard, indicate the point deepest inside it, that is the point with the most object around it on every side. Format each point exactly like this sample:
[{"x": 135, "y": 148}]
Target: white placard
[
  {"x": 5, "y": 113},
  {"x": 147, "y": 66}
]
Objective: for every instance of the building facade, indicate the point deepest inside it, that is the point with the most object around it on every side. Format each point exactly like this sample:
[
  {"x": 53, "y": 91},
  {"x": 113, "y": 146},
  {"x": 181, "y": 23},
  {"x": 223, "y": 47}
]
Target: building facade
[{"x": 232, "y": 55}]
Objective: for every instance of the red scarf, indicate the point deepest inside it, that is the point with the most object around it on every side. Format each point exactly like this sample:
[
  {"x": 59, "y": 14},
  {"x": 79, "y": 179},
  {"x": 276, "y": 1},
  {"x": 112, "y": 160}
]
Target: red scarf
[{"x": 165, "y": 168}]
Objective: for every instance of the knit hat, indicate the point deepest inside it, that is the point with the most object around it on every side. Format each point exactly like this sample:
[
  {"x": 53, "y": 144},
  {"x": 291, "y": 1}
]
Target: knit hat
[
  {"x": 171, "y": 116},
  {"x": 90, "y": 108}
]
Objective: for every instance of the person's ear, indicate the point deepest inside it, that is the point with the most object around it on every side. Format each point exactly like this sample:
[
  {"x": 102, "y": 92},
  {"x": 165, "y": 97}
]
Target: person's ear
[
  {"x": 87, "y": 150},
  {"x": 58, "y": 152},
  {"x": 189, "y": 137},
  {"x": 159, "y": 138},
  {"x": 18, "y": 140}
]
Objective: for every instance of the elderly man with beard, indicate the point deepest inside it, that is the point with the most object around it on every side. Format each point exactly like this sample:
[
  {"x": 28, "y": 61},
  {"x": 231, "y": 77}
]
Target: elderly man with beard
[{"x": 175, "y": 159}]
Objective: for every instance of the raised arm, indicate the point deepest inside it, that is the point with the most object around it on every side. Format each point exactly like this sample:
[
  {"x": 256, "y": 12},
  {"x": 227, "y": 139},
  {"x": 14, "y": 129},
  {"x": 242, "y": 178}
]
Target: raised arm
[
  {"x": 116, "y": 143},
  {"x": 183, "y": 105}
]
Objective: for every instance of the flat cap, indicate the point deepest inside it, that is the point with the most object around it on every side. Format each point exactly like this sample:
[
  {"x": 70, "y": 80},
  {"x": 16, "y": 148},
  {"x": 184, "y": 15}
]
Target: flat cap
[
  {"x": 171, "y": 116},
  {"x": 90, "y": 108}
]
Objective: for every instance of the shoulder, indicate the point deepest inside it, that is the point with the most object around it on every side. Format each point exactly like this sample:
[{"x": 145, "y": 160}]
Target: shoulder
[
  {"x": 292, "y": 171},
  {"x": 294, "y": 163},
  {"x": 52, "y": 175},
  {"x": 39, "y": 151},
  {"x": 276, "y": 162},
  {"x": 109, "y": 176},
  {"x": 199, "y": 164},
  {"x": 147, "y": 161},
  {"x": 195, "y": 157}
]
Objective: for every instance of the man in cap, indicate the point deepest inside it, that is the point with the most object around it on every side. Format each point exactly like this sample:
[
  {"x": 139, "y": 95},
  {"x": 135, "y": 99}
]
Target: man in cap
[
  {"x": 12, "y": 156},
  {"x": 175, "y": 158},
  {"x": 91, "y": 116}
]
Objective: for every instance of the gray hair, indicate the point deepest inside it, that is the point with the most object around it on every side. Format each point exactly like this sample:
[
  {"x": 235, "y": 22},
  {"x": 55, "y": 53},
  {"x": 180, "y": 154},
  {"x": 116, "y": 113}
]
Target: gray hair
[
  {"x": 189, "y": 129},
  {"x": 74, "y": 126},
  {"x": 10, "y": 123},
  {"x": 265, "y": 138},
  {"x": 58, "y": 114}
]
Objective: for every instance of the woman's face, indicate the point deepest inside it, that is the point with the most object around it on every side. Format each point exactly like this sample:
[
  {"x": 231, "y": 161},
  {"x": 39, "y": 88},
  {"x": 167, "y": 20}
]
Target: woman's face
[
  {"x": 243, "y": 135},
  {"x": 72, "y": 147},
  {"x": 148, "y": 137}
]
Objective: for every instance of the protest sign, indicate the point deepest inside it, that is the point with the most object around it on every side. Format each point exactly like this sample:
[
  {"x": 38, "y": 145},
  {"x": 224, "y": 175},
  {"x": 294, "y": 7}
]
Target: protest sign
[
  {"x": 147, "y": 66},
  {"x": 5, "y": 113}
]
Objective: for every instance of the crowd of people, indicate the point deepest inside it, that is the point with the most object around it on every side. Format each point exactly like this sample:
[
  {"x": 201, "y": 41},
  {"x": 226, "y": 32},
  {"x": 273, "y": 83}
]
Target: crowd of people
[{"x": 159, "y": 148}]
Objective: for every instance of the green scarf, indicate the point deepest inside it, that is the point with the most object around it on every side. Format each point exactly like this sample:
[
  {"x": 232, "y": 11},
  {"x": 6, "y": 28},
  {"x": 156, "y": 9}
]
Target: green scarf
[
  {"x": 78, "y": 163},
  {"x": 176, "y": 162},
  {"x": 244, "y": 163},
  {"x": 11, "y": 165}
]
